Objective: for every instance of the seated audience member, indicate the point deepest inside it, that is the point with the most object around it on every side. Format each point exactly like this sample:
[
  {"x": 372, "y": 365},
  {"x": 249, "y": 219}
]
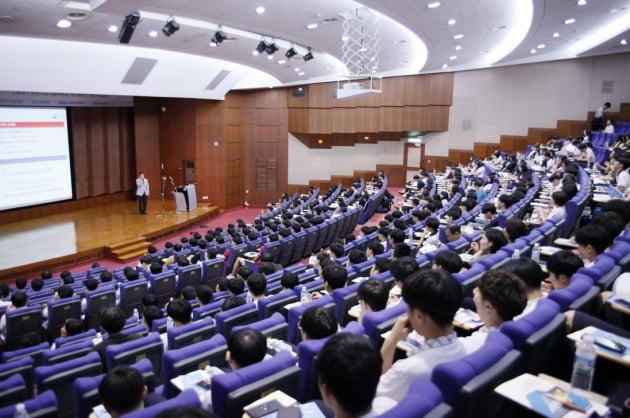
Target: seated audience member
[
  {"x": 612, "y": 221},
  {"x": 222, "y": 284},
  {"x": 180, "y": 311},
  {"x": 186, "y": 412},
  {"x": 453, "y": 232},
  {"x": 336, "y": 250},
  {"x": 267, "y": 268},
  {"x": 401, "y": 250},
  {"x": 430, "y": 236},
  {"x": 396, "y": 236},
  {"x": 156, "y": 268},
  {"x": 334, "y": 276},
  {"x": 245, "y": 347},
  {"x": 243, "y": 273},
  {"x": 151, "y": 313},
  {"x": 592, "y": 240},
  {"x": 122, "y": 391},
  {"x": 448, "y": 260},
  {"x": 289, "y": 281},
  {"x": 374, "y": 249},
  {"x": 488, "y": 213},
  {"x": 356, "y": 257},
  {"x": 381, "y": 265},
  {"x": 372, "y": 295},
  {"x": 348, "y": 369},
  {"x": 232, "y": 302},
  {"x": 514, "y": 229},
  {"x": 561, "y": 266},
  {"x": 432, "y": 298},
  {"x": 531, "y": 274},
  {"x": 189, "y": 293},
  {"x": 491, "y": 241},
  {"x": 400, "y": 269},
  {"x": 112, "y": 321},
  {"x": 72, "y": 326},
  {"x": 235, "y": 286},
  {"x": 256, "y": 285},
  {"x": 558, "y": 208},
  {"x": 106, "y": 277},
  {"x": 37, "y": 284},
  {"x": 317, "y": 322},
  {"x": 20, "y": 283},
  {"x": 5, "y": 295},
  {"x": 499, "y": 297},
  {"x": 19, "y": 300},
  {"x": 204, "y": 295}
]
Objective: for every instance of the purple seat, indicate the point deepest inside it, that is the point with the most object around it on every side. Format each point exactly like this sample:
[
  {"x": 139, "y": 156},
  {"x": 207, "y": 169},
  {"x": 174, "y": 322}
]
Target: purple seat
[
  {"x": 243, "y": 314},
  {"x": 536, "y": 335},
  {"x": 274, "y": 303},
  {"x": 20, "y": 323},
  {"x": 187, "y": 398},
  {"x": 287, "y": 251},
  {"x": 12, "y": 390},
  {"x": 307, "y": 350},
  {"x": 376, "y": 323},
  {"x": 192, "y": 357},
  {"x": 68, "y": 352},
  {"x": 468, "y": 384},
  {"x": 345, "y": 298},
  {"x": 162, "y": 286},
  {"x": 59, "y": 311},
  {"x": 579, "y": 287},
  {"x": 191, "y": 333},
  {"x": 44, "y": 406},
  {"x": 127, "y": 353},
  {"x": 423, "y": 399},
  {"x": 95, "y": 302},
  {"x": 35, "y": 352},
  {"x": 23, "y": 366},
  {"x": 188, "y": 276},
  {"x": 468, "y": 279},
  {"x": 232, "y": 391},
  {"x": 273, "y": 327},
  {"x": 131, "y": 294}
]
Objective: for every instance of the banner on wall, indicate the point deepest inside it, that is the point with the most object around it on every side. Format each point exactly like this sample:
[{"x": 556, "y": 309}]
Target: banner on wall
[{"x": 30, "y": 98}]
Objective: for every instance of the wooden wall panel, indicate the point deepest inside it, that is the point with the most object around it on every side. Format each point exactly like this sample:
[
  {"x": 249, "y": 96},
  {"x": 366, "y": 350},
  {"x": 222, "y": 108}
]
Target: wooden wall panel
[
  {"x": 416, "y": 90},
  {"x": 297, "y": 188},
  {"x": 391, "y": 119},
  {"x": 298, "y": 120},
  {"x": 267, "y": 117},
  {"x": 320, "y": 121},
  {"x": 395, "y": 173},
  {"x": 539, "y": 135},
  {"x": 346, "y": 181},
  {"x": 459, "y": 156},
  {"x": 322, "y": 185},
  {"x": 437, "y": 118},
  {"x": 441, "y": 89},
  {"x": 343, "y": 140},
  {"x": 79, "y": 150},
  {"x": 415, "y": 118},
  {"x": 513, "y": 143},
  {"x": 432, "y": 162},
  {"x": 265, "y": 99},
  {"x": 320, "y": 95},
  {"x": 367, "y": 119},
  {"x": 484, "y": 149},
  {"x": 570, "y": 127},
  {"x": 370, "y": 100},
  {"x": 393, "y": 89},
  {"x": 344, "y": 120},
  {"x": 366, "y": 175}
]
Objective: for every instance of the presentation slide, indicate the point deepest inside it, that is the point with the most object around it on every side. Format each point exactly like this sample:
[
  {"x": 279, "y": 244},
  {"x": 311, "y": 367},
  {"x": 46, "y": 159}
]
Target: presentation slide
[{"x": 34, "y": 156}]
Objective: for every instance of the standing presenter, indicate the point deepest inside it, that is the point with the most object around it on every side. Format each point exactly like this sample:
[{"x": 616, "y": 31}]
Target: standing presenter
[{"x": 142, "y": 191}]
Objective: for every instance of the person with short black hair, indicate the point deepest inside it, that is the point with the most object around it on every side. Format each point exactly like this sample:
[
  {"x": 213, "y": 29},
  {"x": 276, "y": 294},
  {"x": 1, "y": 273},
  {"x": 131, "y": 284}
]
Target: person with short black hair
[
  {"x": 381, "y": 265},
  {"x": 348, "y": 369},
  {"x": 336, "y": 250},
  {"x": 106, "y": 276},
  {"x": 256, "y": 285},
  {"x": 204, "y": 295},
  {"x": 561, "y": 266},
  {"x": 453, "y": 232},
  {"x": 72, "y": 326},
  {"x": 289, "y": 280},
  {"x": 189, "y": 293},
  {"x": 5, "y": 294},
  {"x": 448, "y": 260},
  {"x": 558, "y": 209},
  {"x": 20, "y": 283},
  {"x": 235, "y": 286},
  {"x": 335, "y": 277},
  {"x": 372, "y": 295},
  {"x": 592, "y": 240},
  {"x": 150, "y": 314},
  {"x": 531, "y": 274},
  {"x": 432, "y": 298},
  {"x": 19, "y": 300},
  {"x": 400, "y": 268},
  {"x": 317, "y": 322},
  {"x": 488, "y": 213},
  {"x": 374, "y": 249},
  {"x": 245, "y": 346},
  {"x": 514, "y": 229},
  {"x": 232, "y": 302},
  {"x": 122, "y": 391},
  {"x": 112, "y": 321},
  {"x": 355, "y": 257},
  {"x": 243, "y": 273},
  {"x": 180, "y": 311},
  {"x": 492, "y": 240},
  {"x": 90, "y": 284},
  {"x": 430, "y": 237},
  {"x": 222, "y": 284}
]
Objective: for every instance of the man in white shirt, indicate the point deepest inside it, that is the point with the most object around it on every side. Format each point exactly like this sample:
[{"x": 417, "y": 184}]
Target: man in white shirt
[
  {"x": 621, "y": 166},
  {"x": 432, "y": 297}
]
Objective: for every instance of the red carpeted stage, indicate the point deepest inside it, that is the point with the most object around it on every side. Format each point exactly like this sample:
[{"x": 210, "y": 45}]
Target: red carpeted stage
[{"x": 115, "y": 231}]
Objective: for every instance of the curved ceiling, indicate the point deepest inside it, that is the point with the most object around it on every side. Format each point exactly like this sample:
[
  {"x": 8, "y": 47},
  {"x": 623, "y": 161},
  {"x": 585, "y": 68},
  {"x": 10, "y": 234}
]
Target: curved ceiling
[{"x": 415, "y": 36}]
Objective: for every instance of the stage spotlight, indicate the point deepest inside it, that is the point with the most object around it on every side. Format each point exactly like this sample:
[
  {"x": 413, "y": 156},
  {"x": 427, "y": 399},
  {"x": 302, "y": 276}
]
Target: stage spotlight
[
  {"x": 271, "y": 48},
  {"x": 218, "y": 37},
  {"x": 262, "y": 46},
  {"x": 127, "y": 27},
  {"x": 290, "y": 53},
  {"x": 170, "y": 27},
  {"x": 308, "y": 56}
]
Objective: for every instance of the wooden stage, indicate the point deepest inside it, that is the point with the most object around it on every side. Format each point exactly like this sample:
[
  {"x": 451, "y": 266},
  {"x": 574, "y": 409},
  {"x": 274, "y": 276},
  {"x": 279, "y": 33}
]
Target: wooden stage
[{"x": 113, "y": 230}]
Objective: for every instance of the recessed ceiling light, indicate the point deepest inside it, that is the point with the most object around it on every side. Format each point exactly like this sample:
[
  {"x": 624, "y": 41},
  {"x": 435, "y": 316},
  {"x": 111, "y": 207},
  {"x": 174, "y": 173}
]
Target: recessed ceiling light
[
  {"x": 269, "y": 57},
  {"x": 362, "y": 49},
  {"x": 153, "y": 34},
  {"x": 312, "y": 25},
  {"x": 260, "y": 10},
  {"x": 458, "y": 36},
  {"x": 556, "y": 35},
  {"x": 344, "y": 38},
  {"x": 255, "y": 52},
  {"x": 444, "y": 66},
  {"x": 452, "y": 57},
  {"x": 614, "y": 10},
  {"x": 433, "y": 4},
  {"x": 533, "y": 51},
  {"x": 541, "y": 46},
  {"x": 458, "y": 47},
  {"x": 451, "y": 22},
  {"x": 297, "y": 69},
  {"x": 624, "y": 42},
  {"x": 282, "y": 62},
  {"x": 569, "y": 21},
  {"x": 64, "y": 23},
  {"x": 112, "y": 28},
  {"x": 581, "y": 2},
  {"x": 301, "y": 73}
]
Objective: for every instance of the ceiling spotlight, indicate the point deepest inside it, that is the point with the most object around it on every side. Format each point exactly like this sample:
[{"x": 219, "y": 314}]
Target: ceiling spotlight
[
  {"x": 308, "y": 56},
  {"x": 569, "y": 21},
  {"x": 262, "y": 46},
  {"x": 64, "y": 23},
  {"x": 532, "y": 51},
  {"x": 452, "y": 57},
  {"x": 623, "y": 41},
  {"x": 282, "y": 62},
  {"x": 260, "y": 10},
  {"x": 451, "y": 22},
  {"x": 153, "y": 34},
  {"x": 112, "y": 28},
  {"x": 312, "y": 25},
  {"x": 170, "y": 27},
  {"x": 556, "y": 35},
  {"x": 581, "y": 2},
  {"x": 272, "y": 47},
  {"x": 291, "y": 52},
  {"x": 127, "y": 27},
  {"x": 541, "y": 46},
  {"x": 458, "y": 47},
  {"x": 444, "y": 66},
  {"x": 301, "y": 73},
  {"x": 219, "y": 36}
]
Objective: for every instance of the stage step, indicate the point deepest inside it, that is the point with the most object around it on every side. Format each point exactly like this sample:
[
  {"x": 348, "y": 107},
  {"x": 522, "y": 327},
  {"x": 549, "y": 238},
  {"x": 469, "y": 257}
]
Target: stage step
[{"x": 127, "y": 250}]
